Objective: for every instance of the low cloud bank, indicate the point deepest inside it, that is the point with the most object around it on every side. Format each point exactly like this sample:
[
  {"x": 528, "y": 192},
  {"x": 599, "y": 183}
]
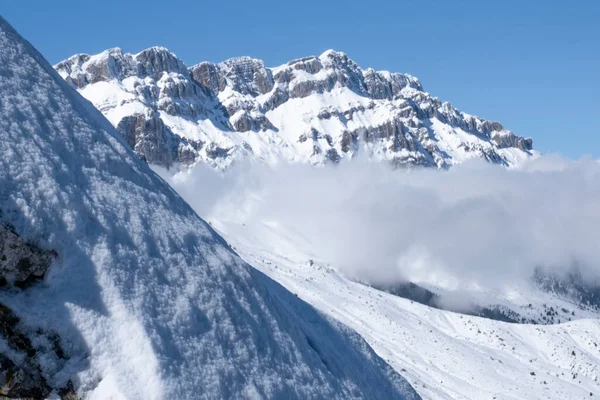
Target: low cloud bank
[{"x": 476, "y": 224}]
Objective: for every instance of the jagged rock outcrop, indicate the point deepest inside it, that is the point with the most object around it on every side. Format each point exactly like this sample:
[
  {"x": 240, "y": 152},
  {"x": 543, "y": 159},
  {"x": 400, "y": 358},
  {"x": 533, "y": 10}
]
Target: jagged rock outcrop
[
  {"x": 149, "y": 136},
  {"x": 27, "y": 359},
  {"x": 113, "y": 64},
  {"x": 386, "y": 115},
  {"x": 508, "y": 140},
  {"x": 21, "y": 375},
  {"x": 209, "y": 76},
  {"x": 247, "y": 76},
  {"x": 21, "y": 262}
]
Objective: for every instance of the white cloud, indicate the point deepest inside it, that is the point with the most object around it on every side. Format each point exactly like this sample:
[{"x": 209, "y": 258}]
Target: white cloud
[{"x": 476, "y": 224}]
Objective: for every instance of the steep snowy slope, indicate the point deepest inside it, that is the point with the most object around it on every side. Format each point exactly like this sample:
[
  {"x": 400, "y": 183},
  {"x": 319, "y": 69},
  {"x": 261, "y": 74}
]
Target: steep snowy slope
[
  {"x": 312, "y": 110},
  {"x": 141, "y": 299}
]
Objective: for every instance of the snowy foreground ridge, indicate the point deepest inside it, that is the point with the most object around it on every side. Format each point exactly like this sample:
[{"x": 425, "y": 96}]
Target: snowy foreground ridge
[
  {"x": 315, "y": 110},
  {"x": 143, "y": 300}
]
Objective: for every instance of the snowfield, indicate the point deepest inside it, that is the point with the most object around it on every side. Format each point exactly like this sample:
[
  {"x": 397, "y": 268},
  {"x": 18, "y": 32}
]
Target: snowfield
[
  {"x": 144, "y": 300},
  {"x": 444, "y": 355}
]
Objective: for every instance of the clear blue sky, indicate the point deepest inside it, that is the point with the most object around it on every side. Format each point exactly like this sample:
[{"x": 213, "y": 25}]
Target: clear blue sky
[{"x": 532, "y": 65}]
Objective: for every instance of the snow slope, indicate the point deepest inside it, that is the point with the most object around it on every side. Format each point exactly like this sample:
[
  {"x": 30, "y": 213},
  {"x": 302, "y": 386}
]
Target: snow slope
[
  {"x": 145, "y": 299},
  {"x": 444, "y": 355},
  {"x": 312, "y": 110}
]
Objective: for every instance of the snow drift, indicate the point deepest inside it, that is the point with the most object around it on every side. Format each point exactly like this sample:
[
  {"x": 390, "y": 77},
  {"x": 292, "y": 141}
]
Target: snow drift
[{"x": 144, "y": 298}]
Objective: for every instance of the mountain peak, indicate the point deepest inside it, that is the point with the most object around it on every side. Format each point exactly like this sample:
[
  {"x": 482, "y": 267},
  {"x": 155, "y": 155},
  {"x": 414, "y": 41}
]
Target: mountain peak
[
  {"x": 114, "y": 50},
  {"x": 156, "y": 60},
  {"x": 156, "y": 49},
  {"x": 337, "y": 59},
  {"x": 331, "y": 53},
  {"x": 242, "y": 60}
]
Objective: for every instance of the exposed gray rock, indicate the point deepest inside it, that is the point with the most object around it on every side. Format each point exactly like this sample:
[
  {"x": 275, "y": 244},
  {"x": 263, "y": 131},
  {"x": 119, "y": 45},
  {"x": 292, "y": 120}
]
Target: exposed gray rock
[
  {"x": 312, "y": 65},
  {"x": 149, "y": 136},
  {"x": 188, "y": 151},
  {"x": 343, "y": 71},
  {"x": 329, "y": 139},
  {"x": 21, "y": 382},
  {"x": 283, "y": 76},
  {"x": 306, "y": 88},
  {"x": 84, "y": 69},
  {"x": 377, "y": 86},
  {"x": 409, "y": 161},
  {"x": 214, "y": 151},
  {"x": 21, "y": 262},
  {"x": 348, "y": 141},
  {"x": 245, "y": 122},
  {"x": 276, "y": 98},
  {"x": 486, "y": 154},
  {"x": 333, "y": 156},
  {"x": 22, "y": 376},
  {"x": 73, "y": 68},
  {"x": 511, "y": 140},
  {"x": 21, "y": 379},
  {"x": 113, "y": 65},
  {"x": 247, "y": 75},
  {"x": 209, "y": 76},
  {"x": 156, "y": 60}
]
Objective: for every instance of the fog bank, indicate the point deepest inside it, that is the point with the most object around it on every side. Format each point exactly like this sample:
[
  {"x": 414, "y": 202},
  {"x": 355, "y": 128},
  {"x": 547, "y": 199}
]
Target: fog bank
[{"x": 475, "y": 224}]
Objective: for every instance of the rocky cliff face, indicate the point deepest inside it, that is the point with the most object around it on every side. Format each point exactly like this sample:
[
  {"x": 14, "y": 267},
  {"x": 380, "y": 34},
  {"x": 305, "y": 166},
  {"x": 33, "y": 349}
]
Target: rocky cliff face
[{"x": 315, "y": 109}]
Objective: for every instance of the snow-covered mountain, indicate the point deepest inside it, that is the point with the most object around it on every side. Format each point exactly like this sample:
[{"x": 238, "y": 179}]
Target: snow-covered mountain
[
  {"x": 313, "y": 110},
  {"x": 112, "y": 287}
]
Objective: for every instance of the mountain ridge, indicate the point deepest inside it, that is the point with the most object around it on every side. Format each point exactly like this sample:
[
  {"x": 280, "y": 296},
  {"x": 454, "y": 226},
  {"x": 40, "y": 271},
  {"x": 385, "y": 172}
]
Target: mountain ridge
[{"x": 316, "y": 109}]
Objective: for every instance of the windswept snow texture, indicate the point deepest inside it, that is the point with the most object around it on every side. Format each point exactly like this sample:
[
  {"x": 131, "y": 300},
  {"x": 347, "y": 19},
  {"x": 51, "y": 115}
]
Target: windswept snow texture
[
  {"x": 148, "y": 301},
  {"x": 313, "y": 110}
]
